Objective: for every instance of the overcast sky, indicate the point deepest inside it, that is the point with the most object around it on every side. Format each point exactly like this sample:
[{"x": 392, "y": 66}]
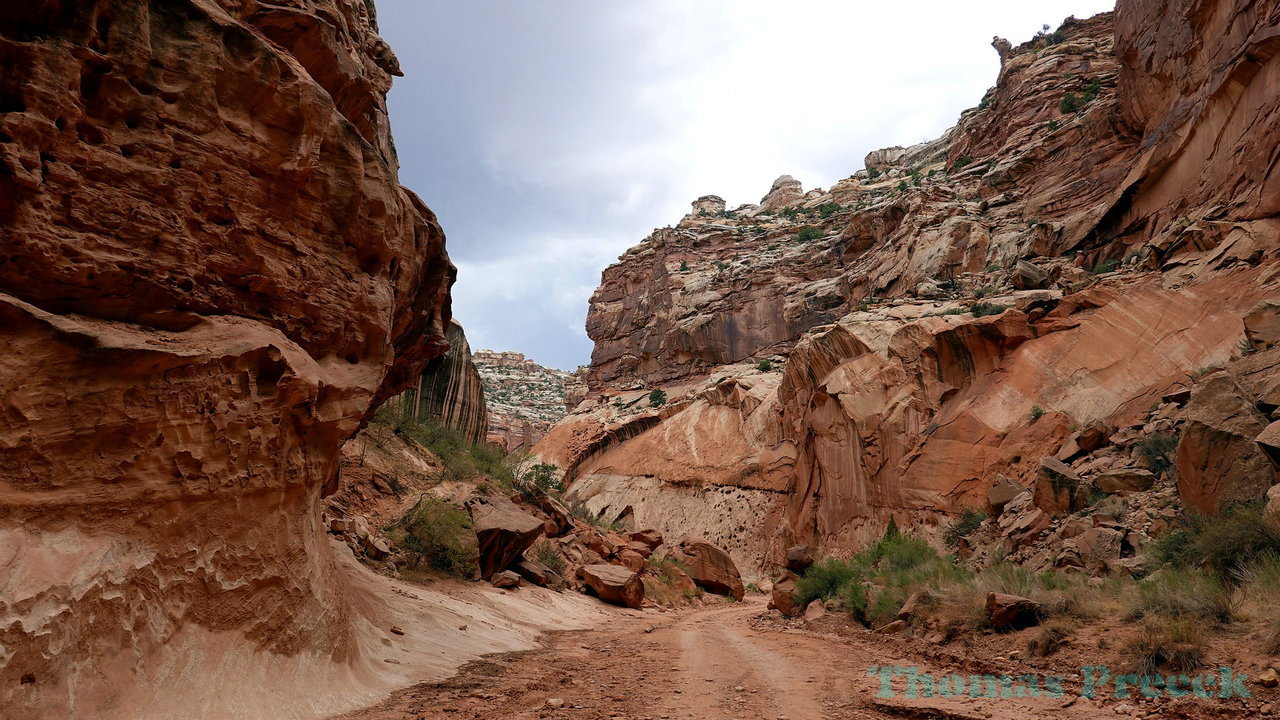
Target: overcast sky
[{"x": 551, "y": 136}]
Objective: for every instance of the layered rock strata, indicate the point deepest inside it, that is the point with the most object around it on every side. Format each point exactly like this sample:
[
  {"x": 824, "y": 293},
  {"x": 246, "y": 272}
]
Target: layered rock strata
[
  {"x": 211, "y": 276},
  {"x": 1086, "y": 241}
]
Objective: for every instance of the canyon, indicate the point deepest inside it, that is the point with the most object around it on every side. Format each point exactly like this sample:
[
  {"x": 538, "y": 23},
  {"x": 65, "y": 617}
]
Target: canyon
[
  {"x": 228, "y": 326},
  {"x": 1092, "y": 238}
]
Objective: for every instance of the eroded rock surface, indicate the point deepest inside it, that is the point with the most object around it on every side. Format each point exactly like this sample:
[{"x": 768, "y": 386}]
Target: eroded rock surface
[
  {"x": 1034, "y": 285},
  {"x": 211, "y": 276}
]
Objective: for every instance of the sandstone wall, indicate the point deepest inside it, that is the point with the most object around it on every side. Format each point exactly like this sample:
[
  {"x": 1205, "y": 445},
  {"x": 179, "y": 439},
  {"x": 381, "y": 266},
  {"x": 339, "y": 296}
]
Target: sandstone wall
[
  {"x": 210, "y": 276},
  {"x": 449, "y": 391},
  {"x": 1106, "y": 208}
]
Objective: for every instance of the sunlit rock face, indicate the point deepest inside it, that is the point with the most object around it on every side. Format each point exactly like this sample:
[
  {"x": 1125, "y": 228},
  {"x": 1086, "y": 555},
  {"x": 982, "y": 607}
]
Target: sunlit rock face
[
  {"x": 210, "y": 277},
  {"x": 1098, "y": 231}
]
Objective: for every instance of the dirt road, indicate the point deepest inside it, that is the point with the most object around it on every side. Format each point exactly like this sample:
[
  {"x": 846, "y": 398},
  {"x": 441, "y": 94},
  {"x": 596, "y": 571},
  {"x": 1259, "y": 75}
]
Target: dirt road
[{"x": 715, "y": 663}]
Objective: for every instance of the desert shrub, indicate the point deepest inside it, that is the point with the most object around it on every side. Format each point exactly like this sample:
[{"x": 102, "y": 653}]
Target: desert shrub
[
  {"x": 684, "y": 266},
  {"x": 1050, "y": 638},
  {"x": 1271, "y": 638},
  {"x": 902, "y": 186},
  {"x": 764, "y": 366},
  {"x": 963, "y": 526},
  {"x": 824, "y": 579},
  {"x": 826, "y": 210},
  {"x": 1177, "y": 646},
  {"x": 808, "y": 233},
  {"x": 1037, "y": 412},
  {"x": 462, "y": 460},
  {"x": 543, "y": 477},
  {"x": 1070, "y": 103},
  {"x": 545, "y": 553},
  {"x": 961, "y": 162},
  {"x": 438, "y": 535},
  {"x": 1106, "y": 266},
  {"x": 580, "y": 511},
  {"x": 983, "y": 309},
  {"x": 657, "y": 398},
  {"x": 1158, "y": 448},
  {"x": 1186, "y": 594},
  {"x": 1236, "y": 545}
]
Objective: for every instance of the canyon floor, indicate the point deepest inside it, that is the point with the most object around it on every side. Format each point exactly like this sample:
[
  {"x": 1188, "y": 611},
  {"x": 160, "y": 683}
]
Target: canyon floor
[{"x": 736, "y": 661}]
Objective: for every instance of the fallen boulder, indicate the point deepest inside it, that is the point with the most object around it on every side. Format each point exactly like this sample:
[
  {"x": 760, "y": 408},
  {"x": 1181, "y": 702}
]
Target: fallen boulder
[
  {"x": 503, "y": 532},
  {"x": 711, "y": 568},
  {"x": 613, "y": 584},
  {"x": 538, "y": 574},
  {"x": 783, "y": 598},
  {"x": 1218, "y": 459},
  {"x": 1011, "y": 612},
  {"x": 1125, "y": 480},
  {"x": 505, "y": 579},
  {"x": 1058, "y": 489},
  {"x": 799, "y": 558},
  {"x": 1001, "y": 494},
  {"x": 651, "y": 538}
]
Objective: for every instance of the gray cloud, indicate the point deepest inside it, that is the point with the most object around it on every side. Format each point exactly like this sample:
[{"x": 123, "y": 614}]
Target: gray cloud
[{"x": 549, "y": 137}]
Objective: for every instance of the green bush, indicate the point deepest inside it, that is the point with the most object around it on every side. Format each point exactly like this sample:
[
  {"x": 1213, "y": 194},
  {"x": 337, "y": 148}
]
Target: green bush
[
  {"x": 1070, "y": 103},
  {"x": 545, "y": 553},
  {"x": 826, "y": 210},
  {"x": 1106, "y": 266},
  {"x": 824, "y": 579},
  {"x": 438, "y": 535},
  {"x": 1185, "y": 594},
  {"x": 543, "y": 477},
  {"x": 970, "y": 521},
  {"x": 764, "y": 366},
  {"x": 1158, "y": 448},
  {"x": 983, "y": 309},
  {"x": 1037, "y": 412},
  {"x": 461, "y": 459},
  {"x": 961, "y": 163},
  {"x": 657, "y": 398},
  {"x": 808, "y": 234}
]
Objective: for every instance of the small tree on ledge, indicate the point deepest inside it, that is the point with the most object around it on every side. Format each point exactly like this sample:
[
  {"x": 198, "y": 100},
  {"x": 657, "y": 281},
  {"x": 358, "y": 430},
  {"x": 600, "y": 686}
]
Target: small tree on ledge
[{"x": 657, "y": 398}]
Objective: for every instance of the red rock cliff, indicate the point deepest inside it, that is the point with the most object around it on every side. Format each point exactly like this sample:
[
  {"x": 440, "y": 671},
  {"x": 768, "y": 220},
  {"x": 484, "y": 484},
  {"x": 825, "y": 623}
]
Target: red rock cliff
[
  {"x": 210, "y": 276},
  {"x": 1101, "y": 228}
]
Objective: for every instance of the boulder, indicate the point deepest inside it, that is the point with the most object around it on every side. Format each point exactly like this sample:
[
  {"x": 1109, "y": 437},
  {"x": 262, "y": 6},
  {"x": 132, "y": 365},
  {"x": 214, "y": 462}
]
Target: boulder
[
  {"x": 1001, "y": 494},
  {"x": 1262, "y": 324},
  {"x": 799, "y": 558},
  {"x": 503, "y": 532},
  {"x": 711, "y": 568},
  {"x": 639, "y": 548},
  {"x": 1125, "y": 480},
  {"x": 1026, "y": 276},
  {"x": 631, "y": 560},
  {"x": 783, "y": 598},
  {"x": 613, "y": 584},
  {"x": 1022, "y": 522},
  {"x": 814, "y": 611},
  {"x": 1095, "y": 550},
  {"x": 538, "y": 574},
  {"x": 1271, "y": 514},
  {"x": 505, "y": 579},
  {"x": 1268, "y": 440},
  {"x": 1058, "y": 488},
  {"x": 651, "y": 538},
  {"x": 1011, "y": 612},
  {"x": 1094, "y": 436},
  {"x": 1218, "y": 459}
]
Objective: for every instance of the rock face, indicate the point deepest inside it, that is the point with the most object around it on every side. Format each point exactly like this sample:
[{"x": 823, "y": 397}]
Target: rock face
[
  {"x": 211, "y": 277},
  {"x": 1021, "y": 288},
  {"x": 449, "y": 392},
  {"x": 524, "y": 398}
]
